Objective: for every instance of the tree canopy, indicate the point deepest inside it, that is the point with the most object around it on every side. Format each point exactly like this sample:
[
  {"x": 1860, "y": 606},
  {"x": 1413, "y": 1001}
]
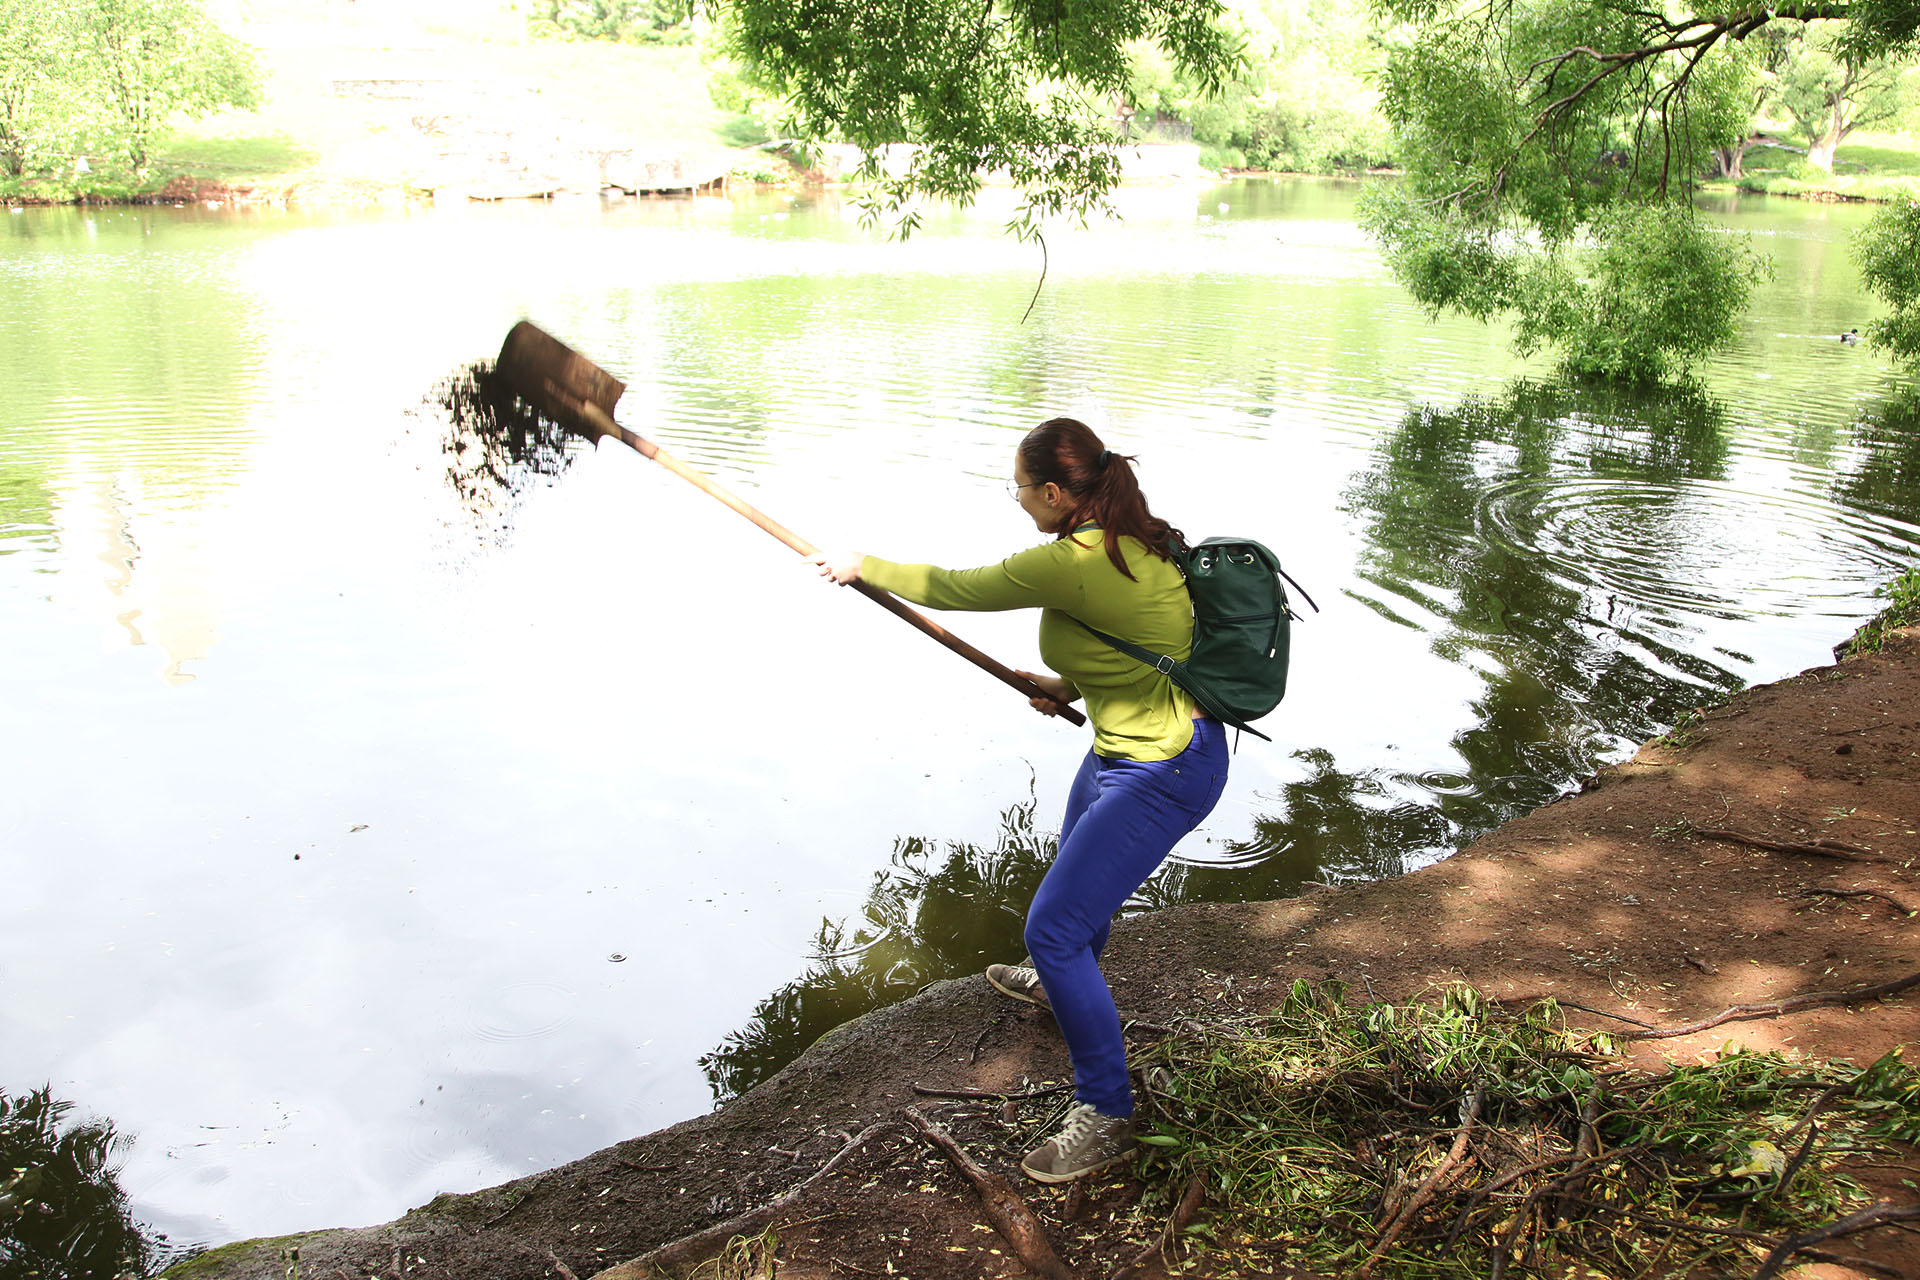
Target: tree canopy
[
  {"x": 1551, "y": 147},
  {"x": 1552, "y": 151},
  {"x": 1027, "y": 87},
  {"x": 98, "y": 77}
]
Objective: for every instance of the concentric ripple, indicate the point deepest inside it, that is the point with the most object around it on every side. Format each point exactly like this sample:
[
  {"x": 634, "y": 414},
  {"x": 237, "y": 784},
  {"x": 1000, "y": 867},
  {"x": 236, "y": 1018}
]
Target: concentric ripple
[
  {"x": 1695, "y": 547},
  {"x": 524, "y": 1011}
]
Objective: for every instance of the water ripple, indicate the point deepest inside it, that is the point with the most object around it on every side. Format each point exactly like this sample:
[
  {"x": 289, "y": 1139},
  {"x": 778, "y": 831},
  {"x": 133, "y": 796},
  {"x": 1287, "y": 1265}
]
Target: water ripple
[
  {"x": 1698, "y": 547},
  {"x": 523, "y": 1011}
]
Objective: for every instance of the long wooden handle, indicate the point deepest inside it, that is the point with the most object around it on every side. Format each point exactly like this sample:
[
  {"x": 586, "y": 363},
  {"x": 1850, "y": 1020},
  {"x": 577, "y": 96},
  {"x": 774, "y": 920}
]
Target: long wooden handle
[{"x": 601, "y": 421}]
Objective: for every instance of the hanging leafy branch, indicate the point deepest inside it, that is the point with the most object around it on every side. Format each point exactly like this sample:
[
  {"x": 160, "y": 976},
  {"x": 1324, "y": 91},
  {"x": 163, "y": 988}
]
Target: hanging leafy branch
[
  {"x": 1552, "y": 150},
  {"x": 1026, "y": 88}
]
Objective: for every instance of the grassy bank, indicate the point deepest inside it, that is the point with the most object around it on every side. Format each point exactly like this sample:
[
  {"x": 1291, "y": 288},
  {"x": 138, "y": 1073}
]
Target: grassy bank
[
  {"x": 1874, "y": 166},
  {"x": 350, "y": 92}
]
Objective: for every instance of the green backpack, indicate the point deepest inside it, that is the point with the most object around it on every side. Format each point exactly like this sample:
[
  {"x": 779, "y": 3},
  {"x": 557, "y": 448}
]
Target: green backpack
[{"x": 1237, "y": 670}]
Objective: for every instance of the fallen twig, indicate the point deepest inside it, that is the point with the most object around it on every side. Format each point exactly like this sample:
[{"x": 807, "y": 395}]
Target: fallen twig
[
  {"x": 1006, "y": 1211},
  {"x": 700, "y": 1243},
  {"x": 1817, "y": 848},
  {"x": 1418, "y": 1201},
  {"x": 1872, "y": 1216},
  {"x": 1190, "y": 1201},
  {"x": 1674, "y": 1227},
  {"x": 1895, "y": 903},
  {"x": 992, "y": 1095},
  {"x": 1747, "y": 1012},
  {"x": 1510, "y": 1001}
]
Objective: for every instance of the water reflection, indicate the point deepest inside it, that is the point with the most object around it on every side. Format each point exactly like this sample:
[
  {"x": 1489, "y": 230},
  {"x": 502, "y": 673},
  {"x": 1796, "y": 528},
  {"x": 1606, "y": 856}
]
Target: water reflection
[
  {"x": 1887, "y": 440},
  {"x": 1539, "y": 536},
  {"x": 63, "y": 1215},
  {"x": 938, "y": 909},
  {"x": 1333, "y": 826}
]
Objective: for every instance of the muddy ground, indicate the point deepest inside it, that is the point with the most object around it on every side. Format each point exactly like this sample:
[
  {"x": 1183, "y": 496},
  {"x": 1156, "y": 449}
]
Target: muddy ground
[{"x": 1615, "y": 901}]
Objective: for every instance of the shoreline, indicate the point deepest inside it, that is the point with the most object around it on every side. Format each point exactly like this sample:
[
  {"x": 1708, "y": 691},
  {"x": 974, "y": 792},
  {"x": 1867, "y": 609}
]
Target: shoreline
[
  {"x": 366, "y": 194},
  {"x": 1688, "y": 879}
]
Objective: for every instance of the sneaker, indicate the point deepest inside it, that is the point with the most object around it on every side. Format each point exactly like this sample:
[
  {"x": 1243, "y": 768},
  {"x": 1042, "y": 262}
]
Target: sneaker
[
  {"x": 1087, "y": 1143},
  {"x": 1019, "y": 982}
]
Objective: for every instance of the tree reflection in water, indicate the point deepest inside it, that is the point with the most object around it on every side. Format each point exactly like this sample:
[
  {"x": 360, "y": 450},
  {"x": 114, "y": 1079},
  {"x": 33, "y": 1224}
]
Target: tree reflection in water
[
  {"x": 939, "y": 909},
  {"x": 1886, "y": 480},
  {"x": 1538, "y": 534},
  {"x": 63, "y": 1215}
]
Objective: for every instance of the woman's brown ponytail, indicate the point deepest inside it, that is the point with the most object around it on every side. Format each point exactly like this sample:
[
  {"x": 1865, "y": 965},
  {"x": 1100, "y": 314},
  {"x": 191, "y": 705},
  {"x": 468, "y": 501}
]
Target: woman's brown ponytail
[{"x": 1066, "y": 452}]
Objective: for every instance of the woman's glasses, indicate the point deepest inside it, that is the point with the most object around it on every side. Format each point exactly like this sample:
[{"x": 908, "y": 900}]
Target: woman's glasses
[{"x": 1013, "y": 490}]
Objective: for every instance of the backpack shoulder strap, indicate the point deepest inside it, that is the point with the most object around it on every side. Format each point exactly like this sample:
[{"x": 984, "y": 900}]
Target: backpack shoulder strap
[{"x": 1158, "y": 661}]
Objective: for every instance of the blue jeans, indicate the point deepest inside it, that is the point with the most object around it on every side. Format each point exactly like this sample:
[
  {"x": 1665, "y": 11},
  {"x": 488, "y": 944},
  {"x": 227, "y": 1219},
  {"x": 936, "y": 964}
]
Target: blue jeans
[{"x": 1123, "y": 819}]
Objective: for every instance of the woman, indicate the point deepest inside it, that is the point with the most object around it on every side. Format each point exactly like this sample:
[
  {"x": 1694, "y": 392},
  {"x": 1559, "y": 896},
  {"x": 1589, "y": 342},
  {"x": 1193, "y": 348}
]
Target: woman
[{"x": 1157, "y": 765}]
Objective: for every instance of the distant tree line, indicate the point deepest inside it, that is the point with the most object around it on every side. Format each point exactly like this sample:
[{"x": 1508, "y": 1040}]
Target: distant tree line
[
  {"x": 622, "y": 21},
  {"x": 84, "y": 81}
]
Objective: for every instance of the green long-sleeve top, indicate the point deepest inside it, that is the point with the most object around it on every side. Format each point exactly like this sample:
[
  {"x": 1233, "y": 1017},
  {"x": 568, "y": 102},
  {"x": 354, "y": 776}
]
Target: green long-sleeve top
[{"x": 1137, "y": 713}]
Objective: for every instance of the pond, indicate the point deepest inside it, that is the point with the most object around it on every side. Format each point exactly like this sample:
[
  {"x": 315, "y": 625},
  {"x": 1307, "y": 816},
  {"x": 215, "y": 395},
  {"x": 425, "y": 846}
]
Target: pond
[{"x": 385, "y": 819}]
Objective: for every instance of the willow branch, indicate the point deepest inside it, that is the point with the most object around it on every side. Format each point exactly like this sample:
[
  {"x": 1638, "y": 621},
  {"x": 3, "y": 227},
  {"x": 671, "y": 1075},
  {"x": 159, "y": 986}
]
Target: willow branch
[{"x": 1872, "y": 1216}]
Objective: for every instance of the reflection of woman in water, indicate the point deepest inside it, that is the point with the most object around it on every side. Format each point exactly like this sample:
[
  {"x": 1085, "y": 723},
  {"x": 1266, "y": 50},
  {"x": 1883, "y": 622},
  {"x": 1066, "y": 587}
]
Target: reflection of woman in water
[{"x": 1157, "y": 765}]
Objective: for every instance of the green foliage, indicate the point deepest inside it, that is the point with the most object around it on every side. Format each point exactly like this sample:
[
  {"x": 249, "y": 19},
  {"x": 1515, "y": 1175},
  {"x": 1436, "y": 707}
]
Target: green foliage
[
  {"x": 1301, "y": 100},
  {"x": 1648, "y": 288},
  {"x": 1881, "y": 28},
  {"x": 1903, "y": 610},
  {"x": 1829, "y": 94},
  {"x": 1888, "y": 250},
  {"x": 624, "y": 21},
  {"x": 766, "y": 170},
  {"x": 36, "y": 62},
  {"x": 1659, "y": 288},
  {"x": 63, "y": 1215},
  {"x": 1027, "y": 87},
  {"x": 102, "y": 77},
  {"x": 1317, "y": 1124},
  {"x": 158, "y": 58},
  {"x": 1530, "y": 127}
]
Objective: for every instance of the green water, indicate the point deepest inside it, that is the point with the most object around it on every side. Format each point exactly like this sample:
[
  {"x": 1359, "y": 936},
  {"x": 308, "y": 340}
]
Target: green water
[{"x": 465, "y": 814}]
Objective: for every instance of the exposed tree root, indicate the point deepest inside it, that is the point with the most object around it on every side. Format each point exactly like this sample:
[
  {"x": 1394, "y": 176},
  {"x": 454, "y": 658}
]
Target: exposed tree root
[
  {"x": 1006, "y": 1211},
  {"x": 1748, "y": 1012},
  {"x": 700, "y": 1245},
  {"x": 1816, "y": 848},
  {"x": 990, "y": 1095},
  {"x": 1893, "y": 902}
]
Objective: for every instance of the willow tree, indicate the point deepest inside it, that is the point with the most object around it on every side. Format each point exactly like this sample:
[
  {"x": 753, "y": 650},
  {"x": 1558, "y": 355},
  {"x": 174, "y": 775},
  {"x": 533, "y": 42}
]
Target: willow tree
[{"x": 1552, "y": 149}]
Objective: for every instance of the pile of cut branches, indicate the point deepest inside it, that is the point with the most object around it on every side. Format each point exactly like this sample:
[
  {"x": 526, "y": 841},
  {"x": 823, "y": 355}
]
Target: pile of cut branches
[{"x": 1434, "y": 1142}]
